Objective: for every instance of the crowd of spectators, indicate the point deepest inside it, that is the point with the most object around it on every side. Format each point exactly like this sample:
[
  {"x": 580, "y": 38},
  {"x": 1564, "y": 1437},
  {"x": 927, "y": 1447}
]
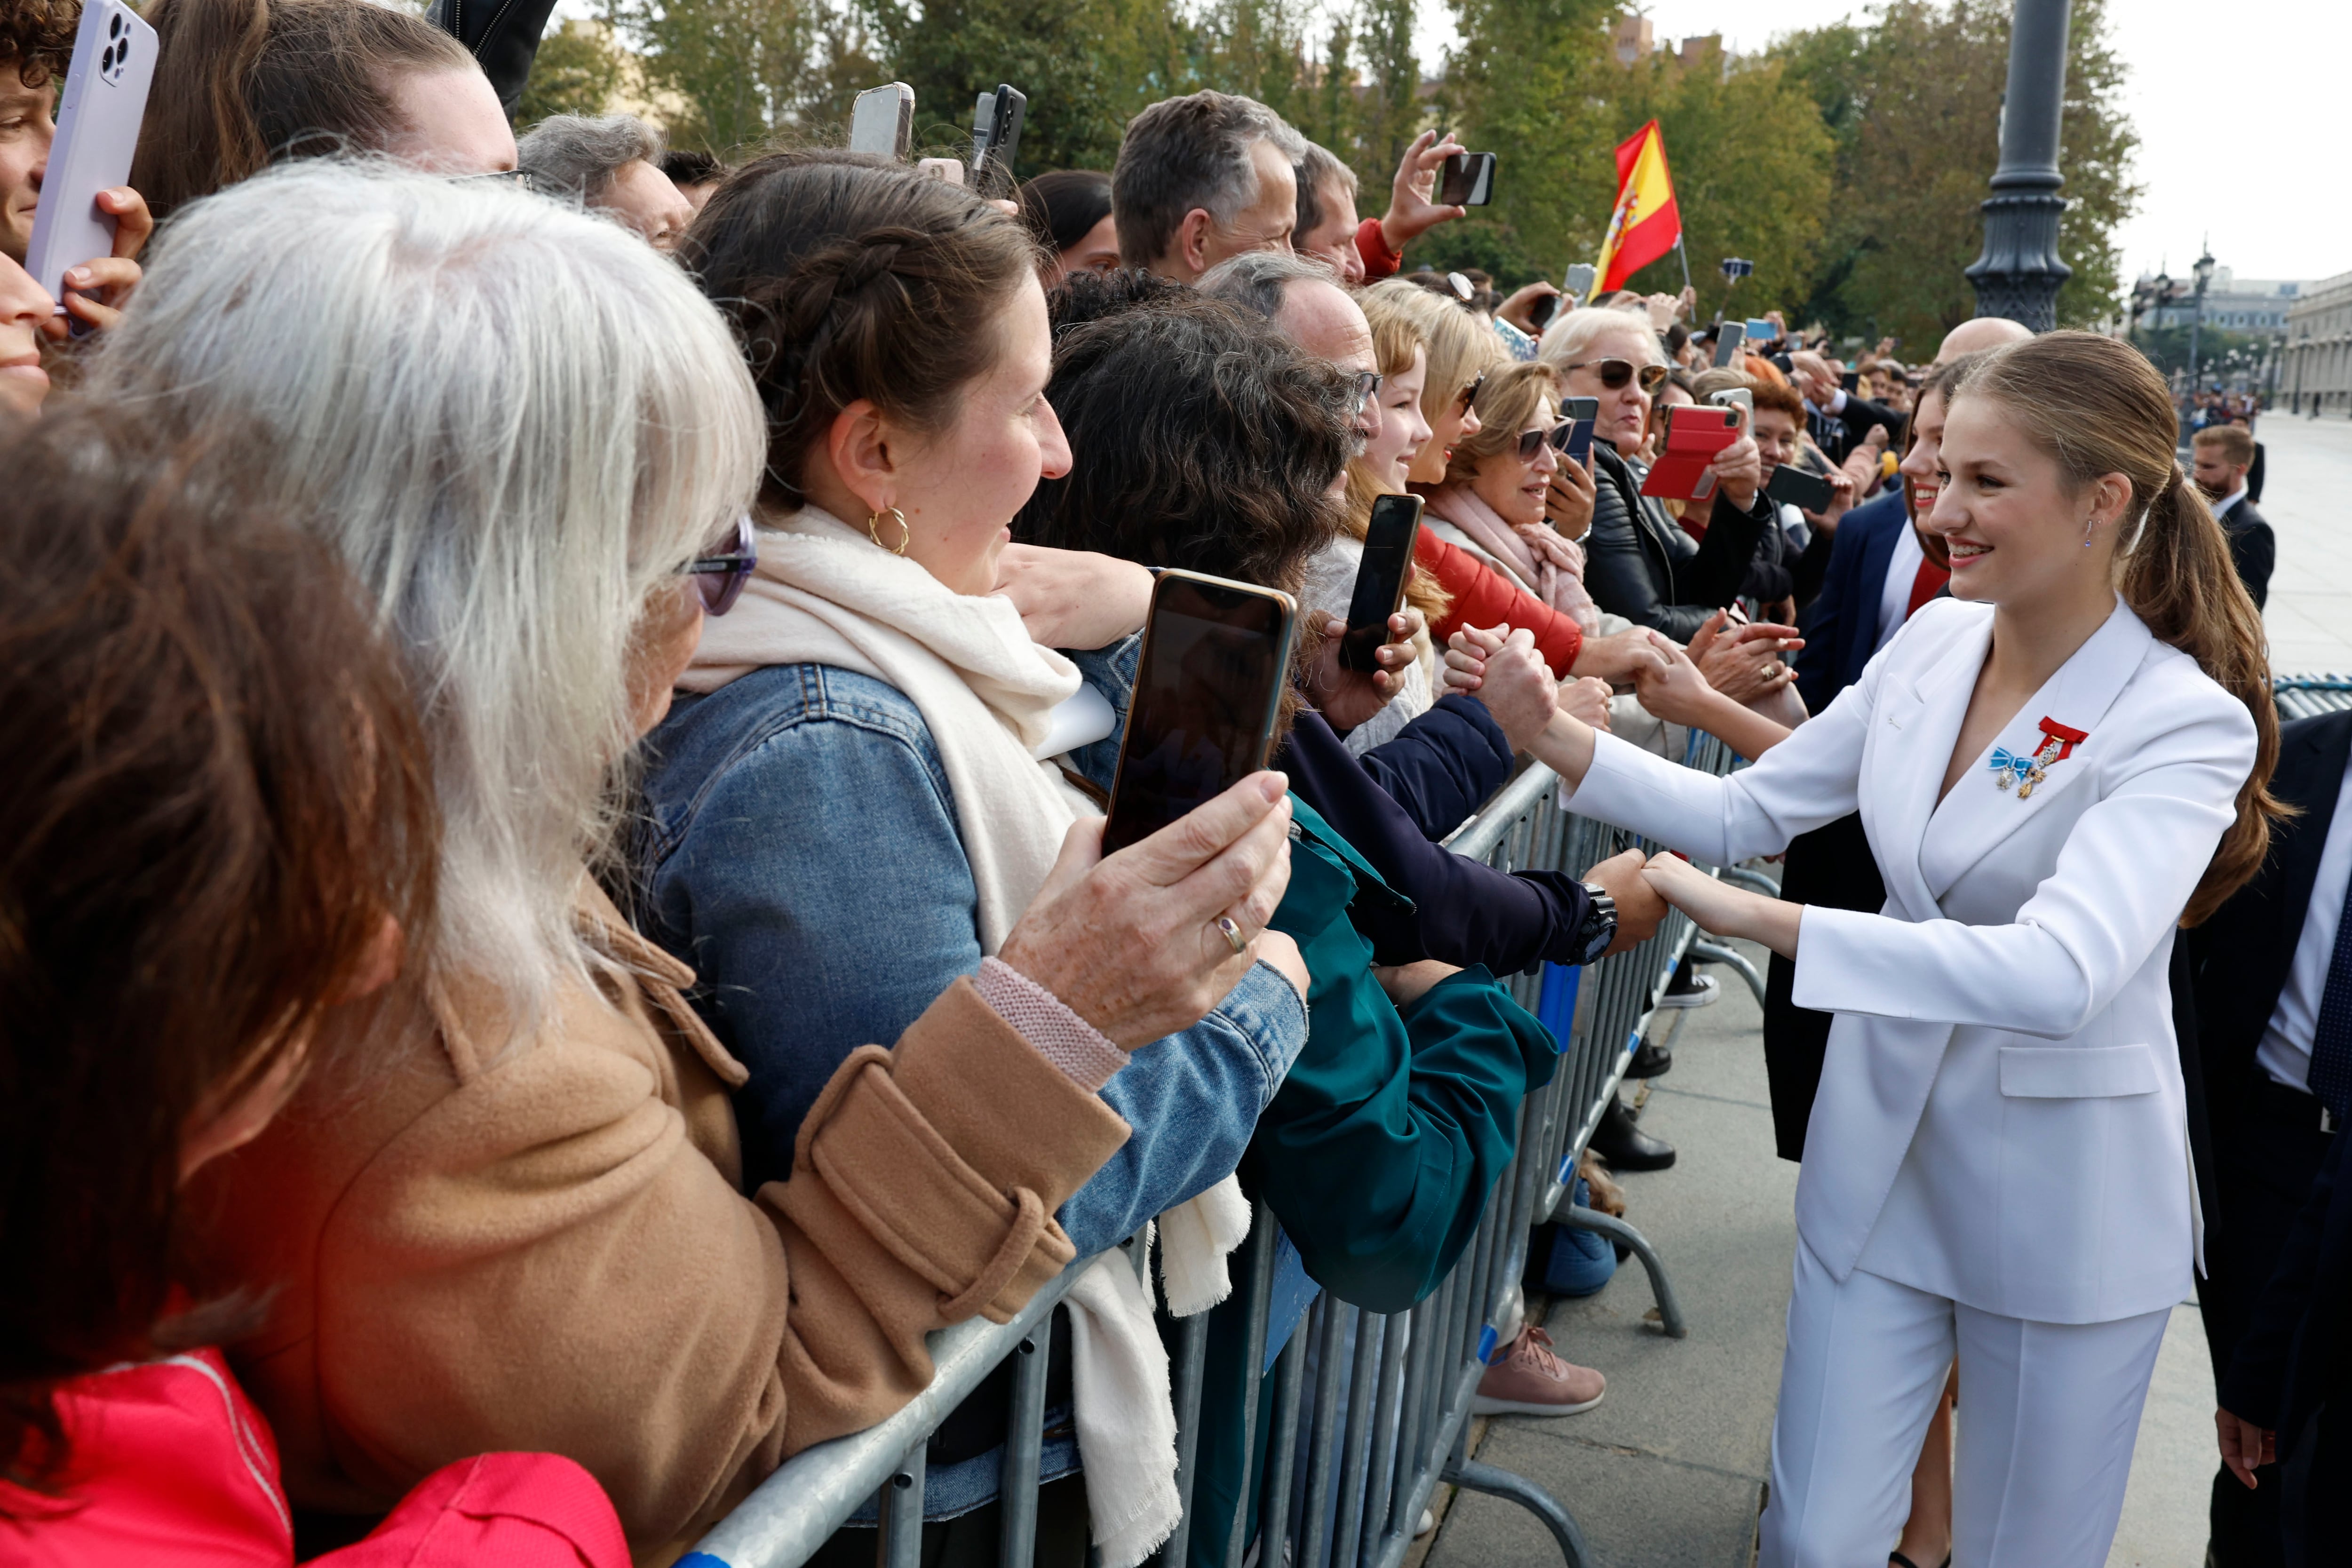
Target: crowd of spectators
[{"x": 545, "y": 944}]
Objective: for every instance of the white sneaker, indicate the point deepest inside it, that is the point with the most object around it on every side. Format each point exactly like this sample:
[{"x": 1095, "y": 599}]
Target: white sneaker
[{"x": 1701, "y": 991}]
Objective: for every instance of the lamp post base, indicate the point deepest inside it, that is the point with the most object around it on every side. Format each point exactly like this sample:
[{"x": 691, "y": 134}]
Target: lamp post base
[{"x": 2019, "y": 274}]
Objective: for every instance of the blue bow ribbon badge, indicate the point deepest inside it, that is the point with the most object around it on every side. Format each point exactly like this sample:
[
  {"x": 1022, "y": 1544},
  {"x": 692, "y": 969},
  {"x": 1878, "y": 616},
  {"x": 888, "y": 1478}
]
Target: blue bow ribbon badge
[{"x": 2008, "y": 767}]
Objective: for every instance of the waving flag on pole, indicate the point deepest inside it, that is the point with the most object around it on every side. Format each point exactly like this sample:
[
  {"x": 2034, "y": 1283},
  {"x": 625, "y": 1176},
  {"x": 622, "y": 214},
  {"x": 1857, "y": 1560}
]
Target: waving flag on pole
[{"x": 1646, "y": 224}]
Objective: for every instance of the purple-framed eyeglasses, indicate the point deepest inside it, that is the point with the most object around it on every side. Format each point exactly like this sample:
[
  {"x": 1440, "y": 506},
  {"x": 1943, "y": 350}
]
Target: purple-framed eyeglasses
[{"x": 720, "y": 578}]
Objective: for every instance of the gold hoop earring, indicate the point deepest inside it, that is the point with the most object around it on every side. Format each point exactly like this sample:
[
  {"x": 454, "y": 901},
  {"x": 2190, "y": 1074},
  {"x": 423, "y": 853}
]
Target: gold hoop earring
[{"x": 874, "y": 529}]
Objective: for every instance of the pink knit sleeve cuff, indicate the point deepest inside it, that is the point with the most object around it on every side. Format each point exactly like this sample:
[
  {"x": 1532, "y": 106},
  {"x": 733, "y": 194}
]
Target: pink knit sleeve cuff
[{"x": 1087, "y": 1057}]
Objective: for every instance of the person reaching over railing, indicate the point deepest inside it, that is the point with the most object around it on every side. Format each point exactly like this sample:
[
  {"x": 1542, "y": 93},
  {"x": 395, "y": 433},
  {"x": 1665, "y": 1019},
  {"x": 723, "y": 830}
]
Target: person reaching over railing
[{"x": 514, "y": 1216}]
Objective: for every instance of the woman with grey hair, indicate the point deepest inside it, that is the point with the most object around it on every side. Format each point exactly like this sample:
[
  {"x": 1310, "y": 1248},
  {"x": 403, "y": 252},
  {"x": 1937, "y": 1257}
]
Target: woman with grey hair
[
  {"x": 610, "y": 163},
  {"x": 504, "y": 1213}
]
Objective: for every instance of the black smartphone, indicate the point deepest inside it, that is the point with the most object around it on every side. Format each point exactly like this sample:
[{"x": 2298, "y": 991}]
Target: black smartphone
[
  {"x": 1793, "y": 485},
  {"x": 996, "y": 136},
  {"x": 1730, "y": 337},
  {"x": 1467, "y": 180},
  {"x": 1851, "y": 380},
  {"x": 1543, "y": 310},
  {"x": 1389, "y": 537},
  {"x": 1207, "y": 688},
  {"x": 1573, "y": 435}
]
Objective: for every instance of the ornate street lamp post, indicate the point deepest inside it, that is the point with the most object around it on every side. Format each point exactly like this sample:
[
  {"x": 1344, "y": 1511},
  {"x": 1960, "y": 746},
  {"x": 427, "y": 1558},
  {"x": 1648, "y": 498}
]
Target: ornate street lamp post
[
  {"x": 2019, "y": 274},
  {"x": 2204, "y": 273}
]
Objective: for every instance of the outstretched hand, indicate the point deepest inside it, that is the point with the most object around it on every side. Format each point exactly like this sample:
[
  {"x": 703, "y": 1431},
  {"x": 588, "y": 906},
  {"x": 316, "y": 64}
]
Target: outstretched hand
[
  {"x": 1721, "y": 909},
  {"x": 1347, "y": 698}
]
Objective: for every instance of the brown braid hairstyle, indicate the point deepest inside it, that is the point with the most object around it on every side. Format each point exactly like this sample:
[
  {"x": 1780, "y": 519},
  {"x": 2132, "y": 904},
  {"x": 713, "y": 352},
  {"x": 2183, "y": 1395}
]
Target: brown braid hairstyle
[
  {"x": 846, "y": 276},
  {"x": 2098, "y": 407}
]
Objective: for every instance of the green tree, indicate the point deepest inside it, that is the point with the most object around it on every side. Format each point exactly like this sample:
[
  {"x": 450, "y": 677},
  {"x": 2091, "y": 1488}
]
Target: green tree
[
  {"x": 1913, "y": 97},
  {"x": 1752, "y": 164},
  {"x": 1529, "y": 83},
  {"x": 576, "y": 71},
  {"x": 743, "y": 66}
]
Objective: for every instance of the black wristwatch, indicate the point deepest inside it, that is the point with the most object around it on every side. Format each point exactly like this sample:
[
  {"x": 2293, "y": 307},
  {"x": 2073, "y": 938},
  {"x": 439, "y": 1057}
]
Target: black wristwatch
[{"x": 1599, "y": 927}]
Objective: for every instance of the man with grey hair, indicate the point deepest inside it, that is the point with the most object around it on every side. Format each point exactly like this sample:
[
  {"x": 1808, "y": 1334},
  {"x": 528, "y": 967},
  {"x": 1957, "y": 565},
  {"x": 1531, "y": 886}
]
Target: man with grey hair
[
  {"x": 1310, "y": 309},
  {"x": 1202, "y": 178},
  {"x": 611, "y": 163}
]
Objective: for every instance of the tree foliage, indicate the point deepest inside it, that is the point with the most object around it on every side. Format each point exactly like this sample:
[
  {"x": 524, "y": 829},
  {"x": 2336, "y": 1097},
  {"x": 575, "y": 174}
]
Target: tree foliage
[
  {"x": 576, "y": 71},
  {"x": 1913, "y": 98},
  {"x": 1847, "y": 162}
]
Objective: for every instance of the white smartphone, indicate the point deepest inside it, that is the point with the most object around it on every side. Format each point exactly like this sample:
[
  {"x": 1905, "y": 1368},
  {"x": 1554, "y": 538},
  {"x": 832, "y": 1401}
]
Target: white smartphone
[
  {"x": 98, "y": 130},
  {"x": 882, "y": 121}
]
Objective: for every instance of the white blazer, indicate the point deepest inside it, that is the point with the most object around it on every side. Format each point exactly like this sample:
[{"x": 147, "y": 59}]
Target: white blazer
[{"x": 2000, "y": 1118}]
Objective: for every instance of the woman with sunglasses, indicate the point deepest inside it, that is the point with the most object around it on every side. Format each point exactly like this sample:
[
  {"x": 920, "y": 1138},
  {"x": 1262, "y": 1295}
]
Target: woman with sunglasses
[
  {"x": 506, "y": 1210},
  {"x": 1639, "y": 564}
]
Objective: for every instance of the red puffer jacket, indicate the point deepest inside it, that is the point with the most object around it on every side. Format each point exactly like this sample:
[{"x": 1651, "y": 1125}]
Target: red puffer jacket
[
  {"x": 172, "y": 1467},
  {"x": 1485, "y": 597}
]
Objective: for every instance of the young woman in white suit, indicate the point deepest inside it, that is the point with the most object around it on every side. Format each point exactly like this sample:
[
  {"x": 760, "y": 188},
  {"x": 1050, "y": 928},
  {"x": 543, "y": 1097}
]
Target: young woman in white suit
[{"x": 2055, "y": 768}]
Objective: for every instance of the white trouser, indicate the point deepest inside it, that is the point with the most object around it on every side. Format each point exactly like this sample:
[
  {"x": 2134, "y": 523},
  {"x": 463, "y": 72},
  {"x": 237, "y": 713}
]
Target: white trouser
[{"x": 2047, "y": 1416}]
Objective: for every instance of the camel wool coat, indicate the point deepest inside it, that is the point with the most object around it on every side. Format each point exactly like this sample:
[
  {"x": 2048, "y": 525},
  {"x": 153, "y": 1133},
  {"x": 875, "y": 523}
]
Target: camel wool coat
[{"x": 474, "y": 1247}]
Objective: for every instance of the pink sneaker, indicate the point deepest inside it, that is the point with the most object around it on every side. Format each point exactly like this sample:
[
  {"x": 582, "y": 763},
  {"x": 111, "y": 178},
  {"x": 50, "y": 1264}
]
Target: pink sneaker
[{"x": 1531, "y": 1381}]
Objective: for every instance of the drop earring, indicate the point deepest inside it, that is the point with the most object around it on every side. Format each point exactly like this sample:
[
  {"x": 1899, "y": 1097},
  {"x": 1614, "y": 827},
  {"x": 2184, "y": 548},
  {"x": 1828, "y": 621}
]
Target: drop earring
[{"x": 2088, "y": 524}]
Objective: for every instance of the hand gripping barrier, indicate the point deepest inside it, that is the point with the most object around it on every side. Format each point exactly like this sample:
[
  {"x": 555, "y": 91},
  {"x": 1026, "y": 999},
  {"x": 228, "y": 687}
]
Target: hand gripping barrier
[{"x": 1371, "y": 1411}]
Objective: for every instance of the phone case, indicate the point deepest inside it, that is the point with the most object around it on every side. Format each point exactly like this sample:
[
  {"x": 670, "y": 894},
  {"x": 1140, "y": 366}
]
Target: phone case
[
  {"x": 98, "y": 130},
  {"x": 1694, "y": 436},
  {"x": 882, "y": 120}
]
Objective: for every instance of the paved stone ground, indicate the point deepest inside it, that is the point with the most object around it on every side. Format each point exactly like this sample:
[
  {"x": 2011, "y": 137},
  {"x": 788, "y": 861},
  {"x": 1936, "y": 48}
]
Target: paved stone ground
[{"x": 2307, "y": 489}]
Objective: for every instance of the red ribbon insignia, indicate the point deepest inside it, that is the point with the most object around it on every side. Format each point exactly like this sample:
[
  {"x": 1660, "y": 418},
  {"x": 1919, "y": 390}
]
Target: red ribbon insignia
[{"x": 2067, "y": 739}]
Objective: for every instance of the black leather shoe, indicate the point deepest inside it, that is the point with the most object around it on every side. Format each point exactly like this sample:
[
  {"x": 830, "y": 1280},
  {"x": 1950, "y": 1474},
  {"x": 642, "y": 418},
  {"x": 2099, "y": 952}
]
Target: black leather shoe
[
  {"x": 1653, "y": 1061},
  {"x": 1625, "y": 1146}
]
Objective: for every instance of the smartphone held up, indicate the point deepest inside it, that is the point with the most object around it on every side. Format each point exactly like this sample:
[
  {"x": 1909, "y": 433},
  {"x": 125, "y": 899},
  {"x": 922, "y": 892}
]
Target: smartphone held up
[
  {"x": 1389, "y": 538},
  {"x": 1208, "y": 690},
  {"x": 99, "y": 115}
]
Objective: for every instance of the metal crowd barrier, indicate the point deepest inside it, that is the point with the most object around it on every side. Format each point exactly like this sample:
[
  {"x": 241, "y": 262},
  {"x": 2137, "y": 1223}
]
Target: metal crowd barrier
[
  {"x": 1360, "y": 1440},
  {"x": 2308, "y": 696}
]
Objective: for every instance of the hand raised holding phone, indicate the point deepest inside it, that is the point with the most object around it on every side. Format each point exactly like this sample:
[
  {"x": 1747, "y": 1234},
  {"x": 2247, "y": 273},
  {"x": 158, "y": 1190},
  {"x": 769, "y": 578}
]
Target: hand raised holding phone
[{"x": 1129, "y": 941}]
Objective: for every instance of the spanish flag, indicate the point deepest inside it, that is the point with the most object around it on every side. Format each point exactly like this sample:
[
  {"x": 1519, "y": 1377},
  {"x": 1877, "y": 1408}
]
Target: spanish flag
[{"x": 1646, "y": 223}]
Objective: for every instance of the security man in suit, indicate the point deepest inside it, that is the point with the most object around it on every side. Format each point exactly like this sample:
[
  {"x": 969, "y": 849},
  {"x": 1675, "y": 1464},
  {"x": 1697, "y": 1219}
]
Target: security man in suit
[
  {"x": 2225, "y": 453},
  {"x": 2272, "y": 976}
]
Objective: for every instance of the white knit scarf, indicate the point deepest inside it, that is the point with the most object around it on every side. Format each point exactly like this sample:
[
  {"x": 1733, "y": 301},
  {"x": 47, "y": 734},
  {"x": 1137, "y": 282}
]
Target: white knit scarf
[{"x": 825, "y": 593}]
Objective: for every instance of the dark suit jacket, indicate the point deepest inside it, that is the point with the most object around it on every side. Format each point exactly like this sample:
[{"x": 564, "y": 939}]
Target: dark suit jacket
[
  {"x": 504, "y": 38},
  {"x": 1640, "y": 564},
  {"x": 2238, "y": 959},
  {"x": 2254, "y": 476},
  {"x": 2253, "y": 548},
  {"x": 2292, "y": 1360},
  {"x": 1839, "y": 433},
  {"x": 1842, "y": 627}
]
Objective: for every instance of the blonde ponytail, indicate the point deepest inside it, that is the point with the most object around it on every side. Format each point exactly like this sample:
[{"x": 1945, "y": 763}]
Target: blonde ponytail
[{"x": 2099, "y": 408}]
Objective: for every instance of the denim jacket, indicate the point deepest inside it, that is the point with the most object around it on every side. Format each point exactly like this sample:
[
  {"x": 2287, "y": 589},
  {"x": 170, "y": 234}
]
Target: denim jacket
[{"x": 802, "y": 852}]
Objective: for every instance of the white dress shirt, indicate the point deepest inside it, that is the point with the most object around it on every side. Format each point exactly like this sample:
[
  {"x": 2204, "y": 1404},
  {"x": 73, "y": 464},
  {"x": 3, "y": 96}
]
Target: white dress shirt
[
  {"x": 2284, "y": 1052},
  {"x": 2222, "y": 508},
  {"x": 1894, "y": 598}
]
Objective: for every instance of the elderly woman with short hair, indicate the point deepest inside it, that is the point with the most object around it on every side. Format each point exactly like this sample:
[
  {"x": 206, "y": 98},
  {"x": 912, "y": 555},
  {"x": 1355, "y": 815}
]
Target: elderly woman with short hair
[{"x": 505, "y": 1212}]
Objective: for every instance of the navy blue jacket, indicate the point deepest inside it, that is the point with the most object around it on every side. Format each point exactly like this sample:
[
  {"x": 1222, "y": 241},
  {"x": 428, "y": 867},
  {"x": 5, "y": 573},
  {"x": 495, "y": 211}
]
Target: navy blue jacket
[
  {"x": 1454, "y": 910},
  {"x": 2293, "y": 1359},
  {"x": 1842, "y": 627},
  {"x": 1442, "y": 767}
]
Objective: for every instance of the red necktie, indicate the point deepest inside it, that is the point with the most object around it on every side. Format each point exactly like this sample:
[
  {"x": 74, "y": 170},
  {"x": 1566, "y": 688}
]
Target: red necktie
[{"x": 1925, "y": 586}]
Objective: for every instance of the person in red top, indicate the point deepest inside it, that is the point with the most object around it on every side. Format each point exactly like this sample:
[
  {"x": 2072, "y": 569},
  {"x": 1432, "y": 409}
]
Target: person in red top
[{"x": 222, "y": 821}]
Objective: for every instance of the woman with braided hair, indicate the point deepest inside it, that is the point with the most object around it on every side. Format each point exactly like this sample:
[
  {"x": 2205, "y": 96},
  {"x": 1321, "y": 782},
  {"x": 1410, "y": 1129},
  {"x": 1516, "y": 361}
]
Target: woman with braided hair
[{"x": 872, "y": 682}]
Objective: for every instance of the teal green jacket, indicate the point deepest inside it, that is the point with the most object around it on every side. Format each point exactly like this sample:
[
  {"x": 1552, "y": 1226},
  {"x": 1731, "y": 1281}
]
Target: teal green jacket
[{"x": 1380, "y": 1147}]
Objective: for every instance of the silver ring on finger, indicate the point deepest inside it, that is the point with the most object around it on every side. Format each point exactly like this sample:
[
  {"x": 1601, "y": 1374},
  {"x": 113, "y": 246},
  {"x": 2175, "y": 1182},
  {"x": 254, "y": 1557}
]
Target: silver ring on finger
[{"x": 1232, "y": 931}]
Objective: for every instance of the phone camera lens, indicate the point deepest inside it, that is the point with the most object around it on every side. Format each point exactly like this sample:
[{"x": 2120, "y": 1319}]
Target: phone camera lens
[
  {"x": 106, "y": 59},
  {"x": 114, "y": 26}
]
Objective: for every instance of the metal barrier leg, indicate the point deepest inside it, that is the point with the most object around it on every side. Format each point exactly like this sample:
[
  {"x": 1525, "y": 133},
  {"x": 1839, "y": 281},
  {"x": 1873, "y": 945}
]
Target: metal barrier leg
[
  {"x": 1191, "y": 1361},
  {"x": 1740, "y": 875},
  {"x": 1024, "y": 1442},
  {"x": 1502, "y": 1483},
  {"x": 1670, "y": 1311},
  {"x": 901, "y": 1542},
  {"x": 1713, "y": 953}
]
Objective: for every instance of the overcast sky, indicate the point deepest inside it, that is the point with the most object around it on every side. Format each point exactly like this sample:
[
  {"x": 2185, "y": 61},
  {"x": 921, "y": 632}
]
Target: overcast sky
[{"x": 2244, "y": 113}]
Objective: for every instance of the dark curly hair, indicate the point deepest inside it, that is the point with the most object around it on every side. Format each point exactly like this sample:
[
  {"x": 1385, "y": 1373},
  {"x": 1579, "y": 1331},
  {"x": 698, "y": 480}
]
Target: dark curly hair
[
  {"x": 845, "y": 277},
  {"x": 1199, "y": 437},
  {"x": 37, "y": 38}
]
